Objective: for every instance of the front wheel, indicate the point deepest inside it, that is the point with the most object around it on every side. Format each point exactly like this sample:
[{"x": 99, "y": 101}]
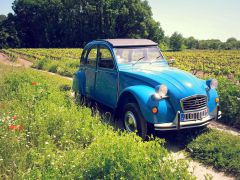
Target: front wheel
[{"x": 133, "y": 120}]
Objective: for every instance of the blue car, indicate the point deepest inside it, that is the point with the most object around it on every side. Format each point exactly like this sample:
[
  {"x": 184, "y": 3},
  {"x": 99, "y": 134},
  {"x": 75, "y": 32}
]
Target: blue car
[{"x": 132, "y": 77}]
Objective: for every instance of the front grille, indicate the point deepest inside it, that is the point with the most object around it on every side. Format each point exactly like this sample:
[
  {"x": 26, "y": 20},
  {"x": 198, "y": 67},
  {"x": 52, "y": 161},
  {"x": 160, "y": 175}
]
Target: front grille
[
  {"x": 194, "y": 103},
  {"x": 191, "y": 116}
]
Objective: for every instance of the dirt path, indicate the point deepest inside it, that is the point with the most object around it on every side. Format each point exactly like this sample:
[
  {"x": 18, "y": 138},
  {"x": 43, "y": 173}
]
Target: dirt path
[
  {"x": 5, "y": 60},
  {"x": 222, "y": 127},
  {"x": 20, "y": 62},
  {"x": 200, "y": 171}
]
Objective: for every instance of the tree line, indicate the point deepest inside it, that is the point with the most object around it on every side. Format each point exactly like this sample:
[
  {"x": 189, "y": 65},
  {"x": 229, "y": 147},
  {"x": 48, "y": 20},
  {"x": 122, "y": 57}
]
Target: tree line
[
  {"x": 177, "y": 42},
  {"x": 73, "y": 23}
]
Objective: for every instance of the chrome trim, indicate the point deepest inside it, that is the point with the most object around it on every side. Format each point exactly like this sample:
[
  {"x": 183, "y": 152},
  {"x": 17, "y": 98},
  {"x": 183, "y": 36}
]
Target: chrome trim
[
  {"x": 177, "y": 124},
  {"x": 219, "y": 114},
  {"x": 190, "y": 97}
]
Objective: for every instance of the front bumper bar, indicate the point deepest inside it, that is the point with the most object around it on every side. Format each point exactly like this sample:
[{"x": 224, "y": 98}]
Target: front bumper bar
[{"x": 177, "y": 124}]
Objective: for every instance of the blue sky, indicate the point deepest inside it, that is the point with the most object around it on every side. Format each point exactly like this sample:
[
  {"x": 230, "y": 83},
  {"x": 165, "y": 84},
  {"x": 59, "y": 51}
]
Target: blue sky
[{"x": 203, "y": 19}]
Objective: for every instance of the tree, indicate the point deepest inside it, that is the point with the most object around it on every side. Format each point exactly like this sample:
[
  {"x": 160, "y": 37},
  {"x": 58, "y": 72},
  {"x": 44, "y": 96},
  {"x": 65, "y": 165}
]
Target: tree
[
  {"x": 73, "y": 23},
  {"x": 8, "y": 33},
  {"x": 191, "y": 43},
  {"x": 2, "y": 18},
  {"x": 176, "y": 42},
  {"x": 232, "y": 43}
]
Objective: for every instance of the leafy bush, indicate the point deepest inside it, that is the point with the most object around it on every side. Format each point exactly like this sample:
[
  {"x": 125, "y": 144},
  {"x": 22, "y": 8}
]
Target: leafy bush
[
  {"x": 219, "y": 149},
  {"x": 58, "y": 139},
  {"x": 229, "y": 102}
]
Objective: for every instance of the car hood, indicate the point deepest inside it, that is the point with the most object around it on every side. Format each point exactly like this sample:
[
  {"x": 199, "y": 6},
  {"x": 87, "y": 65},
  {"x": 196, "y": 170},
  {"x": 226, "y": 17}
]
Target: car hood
[{"x": 180, "y": 83}]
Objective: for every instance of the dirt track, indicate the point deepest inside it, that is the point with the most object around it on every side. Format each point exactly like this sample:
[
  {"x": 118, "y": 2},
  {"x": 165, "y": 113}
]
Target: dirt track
[{"x": 199, "y": 170}]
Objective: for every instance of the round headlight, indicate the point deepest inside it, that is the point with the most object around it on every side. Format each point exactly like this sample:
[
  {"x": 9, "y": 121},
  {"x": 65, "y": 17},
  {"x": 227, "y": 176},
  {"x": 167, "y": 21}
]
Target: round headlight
[
  {"x": 161, "y": 91},
  {"x": 214, "y": 84}
]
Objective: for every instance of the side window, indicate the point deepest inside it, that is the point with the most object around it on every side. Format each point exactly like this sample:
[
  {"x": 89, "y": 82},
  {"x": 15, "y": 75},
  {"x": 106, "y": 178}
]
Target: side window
[
  {"x": 92, "y": 57},
  {"x": 105, "y": 58},
  {"x": 83, "y": 57}
]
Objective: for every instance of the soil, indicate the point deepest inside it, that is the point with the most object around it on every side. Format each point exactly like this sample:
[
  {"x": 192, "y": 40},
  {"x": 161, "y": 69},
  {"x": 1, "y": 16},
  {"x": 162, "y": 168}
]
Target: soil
[
  {"x": 20, "y": 62},
  {"x": 199, "y": 170}
]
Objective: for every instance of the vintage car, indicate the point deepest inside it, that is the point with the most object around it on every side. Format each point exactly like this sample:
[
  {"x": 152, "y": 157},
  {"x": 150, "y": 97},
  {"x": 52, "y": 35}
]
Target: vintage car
[{"x": 132, "y": 77}]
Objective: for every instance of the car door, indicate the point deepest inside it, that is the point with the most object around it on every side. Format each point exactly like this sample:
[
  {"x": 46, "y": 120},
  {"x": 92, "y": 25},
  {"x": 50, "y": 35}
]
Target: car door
[
  {"x": 90, "y": 71},
  {"x": 106, "y": 78}
]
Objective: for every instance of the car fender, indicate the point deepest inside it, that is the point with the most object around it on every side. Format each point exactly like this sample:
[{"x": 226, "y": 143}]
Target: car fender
[
  {"x": 143, "y": 96},
  {"x": 79, "y": 82},
  {"x": 212, "y": 105}
]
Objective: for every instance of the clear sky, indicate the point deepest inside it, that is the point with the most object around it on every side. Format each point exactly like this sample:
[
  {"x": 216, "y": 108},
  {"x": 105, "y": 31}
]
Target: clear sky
[{"x": 203, "y": 19}]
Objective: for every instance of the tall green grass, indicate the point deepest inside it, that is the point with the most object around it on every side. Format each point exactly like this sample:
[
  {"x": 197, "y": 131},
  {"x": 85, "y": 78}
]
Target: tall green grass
[{"x": 44, "y": 135}]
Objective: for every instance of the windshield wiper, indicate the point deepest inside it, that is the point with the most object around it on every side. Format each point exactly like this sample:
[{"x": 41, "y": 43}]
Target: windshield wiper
[
  {"x": 138, "y": 60},
  {"x": 155, "y": 59}
]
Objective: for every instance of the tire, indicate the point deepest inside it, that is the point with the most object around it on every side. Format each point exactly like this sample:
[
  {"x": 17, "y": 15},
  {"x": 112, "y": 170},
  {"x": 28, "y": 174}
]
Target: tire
[
  {"x": 131, "y": 112},
  {"x": 79, "y": 99}
]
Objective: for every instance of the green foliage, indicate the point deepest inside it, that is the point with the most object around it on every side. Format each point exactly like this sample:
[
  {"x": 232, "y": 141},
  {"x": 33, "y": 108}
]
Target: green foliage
[
  {"x": 219, "y": 149},
  {"x": 191, "y": 43},
  {"x": 62, "y": 140},
  {"x": 229, "y": 92},
  {"x": 222, "y": 65},
  {"x": 2, "y": 18},
  {"x": 74, "y": 23},
  {"x": 176, "y": 42},
  {"x": 8, "y": 32}
]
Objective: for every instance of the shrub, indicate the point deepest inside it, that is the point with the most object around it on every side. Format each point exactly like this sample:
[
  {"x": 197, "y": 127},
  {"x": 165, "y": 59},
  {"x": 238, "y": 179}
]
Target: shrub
[
  {"x": 219, "y": 149},
  {"x": 229, "y": 102}
]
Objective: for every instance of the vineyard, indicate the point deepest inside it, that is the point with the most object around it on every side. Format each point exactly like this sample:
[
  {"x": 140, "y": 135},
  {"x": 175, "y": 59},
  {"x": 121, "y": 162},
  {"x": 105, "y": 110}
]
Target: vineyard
[
  {"x": 222, "y": 65},
  {"x": 45, "y": 135}
]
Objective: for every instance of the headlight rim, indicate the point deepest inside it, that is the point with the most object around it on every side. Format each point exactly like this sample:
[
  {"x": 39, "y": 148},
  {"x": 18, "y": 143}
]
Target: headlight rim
[
  {"x": 214, "y": 83},
  {"x": 161, "y": 92}
]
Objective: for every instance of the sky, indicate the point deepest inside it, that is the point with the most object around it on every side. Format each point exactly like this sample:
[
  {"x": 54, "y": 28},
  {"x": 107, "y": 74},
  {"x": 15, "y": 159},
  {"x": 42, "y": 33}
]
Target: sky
[{"x": 203, "y": 19}]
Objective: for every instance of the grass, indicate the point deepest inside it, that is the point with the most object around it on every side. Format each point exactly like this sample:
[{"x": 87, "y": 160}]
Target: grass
[
  {"x": 44, "y": 135},
  {"x": 219, "y": 149},
  {"x": 223, "y": 65}
]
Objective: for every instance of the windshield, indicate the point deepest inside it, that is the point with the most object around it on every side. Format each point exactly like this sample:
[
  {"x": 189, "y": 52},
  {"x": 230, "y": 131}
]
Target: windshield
[{"x": 135, "y": 54}]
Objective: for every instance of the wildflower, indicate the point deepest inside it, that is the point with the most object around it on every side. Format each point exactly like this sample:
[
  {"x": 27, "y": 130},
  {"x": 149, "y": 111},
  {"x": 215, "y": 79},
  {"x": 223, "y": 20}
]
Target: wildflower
[
  {"x": 14, "y": 117},
  {"x": 12, "y": 127},
  {"x": 34, "y": 83},
  {"x": 18, "y": 127},
  {"x": 46, "y": 143}
]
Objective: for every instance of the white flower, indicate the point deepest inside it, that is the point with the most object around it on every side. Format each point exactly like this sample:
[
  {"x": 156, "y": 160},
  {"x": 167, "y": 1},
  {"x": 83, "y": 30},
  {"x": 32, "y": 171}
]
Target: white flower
[{"x": 46, "y": 143}]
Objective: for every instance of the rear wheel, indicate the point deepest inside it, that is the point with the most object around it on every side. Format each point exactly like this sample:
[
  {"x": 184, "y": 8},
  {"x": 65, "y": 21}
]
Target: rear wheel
[
  {"x": 133, "y": 120},
  {"x": 79, "y": 98}
]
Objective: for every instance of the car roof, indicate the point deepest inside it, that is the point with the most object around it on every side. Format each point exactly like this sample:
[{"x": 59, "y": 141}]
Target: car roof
[{"x": 129, "y": 42}]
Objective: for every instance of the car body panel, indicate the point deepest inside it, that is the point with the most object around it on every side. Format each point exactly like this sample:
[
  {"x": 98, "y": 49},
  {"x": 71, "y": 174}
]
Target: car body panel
[{"x": 140, "y": 80}]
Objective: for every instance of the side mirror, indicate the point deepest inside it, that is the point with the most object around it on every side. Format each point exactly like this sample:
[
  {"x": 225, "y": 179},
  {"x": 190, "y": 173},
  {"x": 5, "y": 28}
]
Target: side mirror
[{"x": 171, "y": 61}]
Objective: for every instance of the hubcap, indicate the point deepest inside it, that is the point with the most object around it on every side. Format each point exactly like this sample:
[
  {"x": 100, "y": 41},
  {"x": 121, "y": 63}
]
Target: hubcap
[{"x": 130, "y": 122}]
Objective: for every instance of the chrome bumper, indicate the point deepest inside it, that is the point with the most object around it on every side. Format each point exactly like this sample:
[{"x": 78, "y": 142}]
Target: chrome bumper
[{"x": 177, "y": 124}]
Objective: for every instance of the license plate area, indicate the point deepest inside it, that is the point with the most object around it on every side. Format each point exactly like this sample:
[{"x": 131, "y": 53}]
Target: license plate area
[{"x": 194, "y": 116}]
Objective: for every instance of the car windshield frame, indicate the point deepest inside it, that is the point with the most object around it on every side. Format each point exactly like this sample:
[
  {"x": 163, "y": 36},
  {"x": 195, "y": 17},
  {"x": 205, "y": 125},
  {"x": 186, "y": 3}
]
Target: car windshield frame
[{"x": 132, "y": 51}]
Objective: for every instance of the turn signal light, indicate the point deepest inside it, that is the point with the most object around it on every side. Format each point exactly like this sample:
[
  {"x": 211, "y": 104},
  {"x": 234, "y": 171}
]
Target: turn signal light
[{"x": 154, "y": 110}]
